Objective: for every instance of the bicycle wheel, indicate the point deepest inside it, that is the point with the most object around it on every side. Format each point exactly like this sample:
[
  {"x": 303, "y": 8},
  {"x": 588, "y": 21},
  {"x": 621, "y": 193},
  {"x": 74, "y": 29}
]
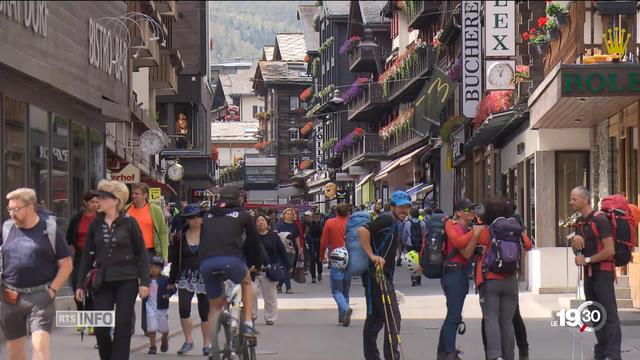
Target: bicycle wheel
[
  {"x": 246, "y": 349},
  {"x": 221, "y": 339}
]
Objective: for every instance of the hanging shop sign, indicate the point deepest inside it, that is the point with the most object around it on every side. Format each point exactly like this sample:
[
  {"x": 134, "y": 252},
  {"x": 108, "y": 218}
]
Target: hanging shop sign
[
  {"x": 587, "y": 81},
  {"x": 128, "y": 175},
  {"x": 432, "y": 99},
  {"x": 500, "y": 28},
  {"x": 155, "y": 193},
  {"x": 108, "y": 52},
  {"x": 31, "y": 14},
  {"x": 471, "y": 58},
  {"x": 319, "y": 138}
]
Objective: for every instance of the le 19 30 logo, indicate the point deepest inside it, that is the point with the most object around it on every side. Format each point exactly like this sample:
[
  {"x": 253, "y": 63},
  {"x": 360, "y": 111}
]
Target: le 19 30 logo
[{"x": 589, "y": 316}]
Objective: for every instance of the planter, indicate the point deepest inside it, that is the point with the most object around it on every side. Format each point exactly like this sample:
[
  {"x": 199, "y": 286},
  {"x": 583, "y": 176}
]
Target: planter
[
  {"x": 616, "y": 7},
  {"x": 562, "y": 19},
  {"x": 541, "y": 47},
  {"x": 554, "y": 33}
]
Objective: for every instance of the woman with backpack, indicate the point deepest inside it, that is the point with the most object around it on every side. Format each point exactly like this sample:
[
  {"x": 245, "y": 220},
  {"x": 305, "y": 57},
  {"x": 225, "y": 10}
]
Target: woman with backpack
[
  {"x": 413, "y": 232},
  {"x": 497, "y": 280},
  {"x": 291, "y": 234},
  {"x": 459, "y": 249}
]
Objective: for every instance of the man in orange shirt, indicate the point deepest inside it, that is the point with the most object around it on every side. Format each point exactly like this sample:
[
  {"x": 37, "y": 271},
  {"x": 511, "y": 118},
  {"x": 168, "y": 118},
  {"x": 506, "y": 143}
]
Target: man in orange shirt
[{"x": 333, "y": 237}]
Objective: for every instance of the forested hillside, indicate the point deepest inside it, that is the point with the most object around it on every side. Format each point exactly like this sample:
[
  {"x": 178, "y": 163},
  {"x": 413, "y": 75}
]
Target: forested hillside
[{"x": 242, "y": 28}]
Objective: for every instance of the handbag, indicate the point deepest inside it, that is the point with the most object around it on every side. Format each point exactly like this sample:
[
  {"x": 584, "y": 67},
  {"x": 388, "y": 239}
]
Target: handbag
[
  {"x": 298, "y": 273},
  {"x": 93, "y": 280}
]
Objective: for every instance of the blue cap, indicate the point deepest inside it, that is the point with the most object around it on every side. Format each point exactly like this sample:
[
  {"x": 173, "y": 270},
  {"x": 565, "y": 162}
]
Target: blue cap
[
  {"x": 157, "y": 260},
  {"x": 400, "y": 198},
  {"x": 192, "y": 210}
]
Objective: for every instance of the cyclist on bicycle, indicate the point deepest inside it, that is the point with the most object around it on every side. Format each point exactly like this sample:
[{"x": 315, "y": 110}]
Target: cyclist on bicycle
[{"x": 228, "y": 233}]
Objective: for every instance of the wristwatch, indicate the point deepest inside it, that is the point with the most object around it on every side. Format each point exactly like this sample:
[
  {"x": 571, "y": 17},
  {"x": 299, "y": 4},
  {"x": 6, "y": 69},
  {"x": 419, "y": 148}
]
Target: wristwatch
[{"x": 587, "y": 260}]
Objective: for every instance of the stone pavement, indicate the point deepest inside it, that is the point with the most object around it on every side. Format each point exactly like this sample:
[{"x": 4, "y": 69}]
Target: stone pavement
[{"x": 307, "y": 329}]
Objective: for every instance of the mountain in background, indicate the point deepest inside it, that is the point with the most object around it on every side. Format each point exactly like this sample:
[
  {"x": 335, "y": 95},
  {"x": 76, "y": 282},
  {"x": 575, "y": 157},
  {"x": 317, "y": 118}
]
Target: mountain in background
[{"x": 242, "y": 28}]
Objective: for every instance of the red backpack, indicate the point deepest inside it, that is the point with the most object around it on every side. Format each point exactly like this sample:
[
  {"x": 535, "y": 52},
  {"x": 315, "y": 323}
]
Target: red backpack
[{"x": 623, "y": 227}]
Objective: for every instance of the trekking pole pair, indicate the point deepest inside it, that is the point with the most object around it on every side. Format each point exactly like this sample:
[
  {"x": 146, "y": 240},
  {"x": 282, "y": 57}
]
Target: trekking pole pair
[
  {"x": 573, "y": 338},
  {"x": 388, "y": 309}
]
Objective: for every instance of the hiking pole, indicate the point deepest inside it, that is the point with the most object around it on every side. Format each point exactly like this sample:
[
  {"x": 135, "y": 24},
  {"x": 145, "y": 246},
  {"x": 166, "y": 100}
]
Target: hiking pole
[
  {"x": 393, "y": 316},
  {"x": 380, "y": 279},
  {"x": 573, "y": 337}
]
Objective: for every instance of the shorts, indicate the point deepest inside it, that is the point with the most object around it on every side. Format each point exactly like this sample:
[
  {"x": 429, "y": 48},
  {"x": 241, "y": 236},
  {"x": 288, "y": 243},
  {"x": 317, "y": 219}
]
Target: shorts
[
  {"x": 38, "y": 308},
  {"x": 235, "y": 268},
  {"x": 157, "y": 320}
]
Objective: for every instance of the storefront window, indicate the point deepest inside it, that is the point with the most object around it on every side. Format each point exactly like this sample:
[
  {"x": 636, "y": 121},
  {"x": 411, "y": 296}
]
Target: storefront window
[
  {"x": 96, "y": 158},
  {"x": 572, "y": 169},
  {"x": 60, "y": 196},
  {"x": 39, "y": 152},
  {"x": 79, "y": 163},
  {"x": 15, "y": 119}
]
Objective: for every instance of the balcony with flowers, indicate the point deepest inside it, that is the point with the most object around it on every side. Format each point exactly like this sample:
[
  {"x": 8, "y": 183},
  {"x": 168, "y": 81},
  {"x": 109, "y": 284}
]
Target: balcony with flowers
[
  {"x": 359, "y": 147},
  {"x": 363, "y": 98},
  {"x": 399, "y": 133},
  {"x": 402, "y": 80}
]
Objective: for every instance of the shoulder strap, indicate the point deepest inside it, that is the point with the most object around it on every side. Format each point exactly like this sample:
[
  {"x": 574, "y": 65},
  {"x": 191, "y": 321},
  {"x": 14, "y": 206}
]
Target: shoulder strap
[
  {"x": 51, "y": 230},
  {"x": 6, "y": 229}
]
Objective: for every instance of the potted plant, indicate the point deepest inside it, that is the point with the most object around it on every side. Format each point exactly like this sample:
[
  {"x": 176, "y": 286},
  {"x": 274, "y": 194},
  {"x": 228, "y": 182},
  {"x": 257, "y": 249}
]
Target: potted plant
[
  {"x": 316, "y": 23},
  {"x": 559, "y": 12},
  {"x": 349, "y": 45},
  {"x": 550, "y": 25},
  {"x": 538, "y": 40},
  {"x": 356, "y": 89},
  {"x": 450, "y": 126},
  {"x": 522, "y": 74},
  {"x": 495, "y": 101}
]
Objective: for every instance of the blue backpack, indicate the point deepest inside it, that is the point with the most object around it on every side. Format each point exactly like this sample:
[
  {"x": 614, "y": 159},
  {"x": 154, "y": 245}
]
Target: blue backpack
[{"x": 358, "y": 259}]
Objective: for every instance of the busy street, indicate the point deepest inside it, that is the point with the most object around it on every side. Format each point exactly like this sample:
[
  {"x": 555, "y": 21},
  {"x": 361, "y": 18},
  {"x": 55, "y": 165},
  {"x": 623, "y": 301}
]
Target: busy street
[{"x": 397, "y": 179}]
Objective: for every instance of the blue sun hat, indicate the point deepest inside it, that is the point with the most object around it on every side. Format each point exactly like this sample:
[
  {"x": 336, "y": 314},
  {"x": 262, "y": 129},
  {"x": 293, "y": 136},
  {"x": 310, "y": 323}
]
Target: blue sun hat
[{"x": 400, "y": 198}]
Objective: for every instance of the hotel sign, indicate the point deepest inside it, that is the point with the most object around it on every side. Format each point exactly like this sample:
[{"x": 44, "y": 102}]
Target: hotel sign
[
  {"x": 500, "y": 28},
  {"x": 319, "y": 138},
  {"x": 471, "y": 57},
  {"x": 590, "y": 81}
]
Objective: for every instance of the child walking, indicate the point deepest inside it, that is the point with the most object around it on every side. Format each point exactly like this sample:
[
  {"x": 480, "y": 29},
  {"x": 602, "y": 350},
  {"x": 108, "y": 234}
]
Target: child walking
[{"x": 157, "y": 306}]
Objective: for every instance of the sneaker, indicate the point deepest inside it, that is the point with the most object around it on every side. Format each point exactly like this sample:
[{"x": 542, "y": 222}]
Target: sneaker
[
  {"x": 164, "y": 345},
  {"x": 523, "y": 355},
  {"x": 340, "y": 319},
  {"x": 313, "y": 281},
  {"x": 249, "y": 331},
  {"x": 319, "y": 277},
  {"x": 269, "y": 322},
  {"x": 152, "y": 350},
  {"x": 347, "y": 317},
  {"x": 206, "y": 350},
  {"x": 186, "y": 347}
]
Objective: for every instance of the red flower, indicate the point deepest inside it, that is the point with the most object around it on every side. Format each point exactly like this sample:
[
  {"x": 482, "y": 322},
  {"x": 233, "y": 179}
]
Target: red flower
[
  {"x": 525, "y": 36},
  {"x": 542, "y": 21},
  {"x": 533, "y": 31},
  {"x": 358, "y": 132}
]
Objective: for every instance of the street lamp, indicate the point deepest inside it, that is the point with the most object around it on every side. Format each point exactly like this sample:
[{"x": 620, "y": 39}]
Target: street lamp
[
  {"x": 337, "y": 99},
  {"x": 369, "y": 44}
]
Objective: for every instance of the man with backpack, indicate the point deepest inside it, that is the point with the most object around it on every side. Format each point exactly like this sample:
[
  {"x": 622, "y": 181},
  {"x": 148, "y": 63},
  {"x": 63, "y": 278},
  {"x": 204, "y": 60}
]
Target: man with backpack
[
  {"x": 379, "y": 239},
  {"x": 36, "y": 262},
  {"x": 413, "y": 233},
  {"x": 333, "y": 237},
  {"x": 597, "y": 250}
]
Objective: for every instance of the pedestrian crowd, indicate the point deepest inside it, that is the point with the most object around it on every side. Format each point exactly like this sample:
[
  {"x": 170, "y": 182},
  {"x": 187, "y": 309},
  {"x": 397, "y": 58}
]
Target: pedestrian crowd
[{"x": 118, "y": 245}]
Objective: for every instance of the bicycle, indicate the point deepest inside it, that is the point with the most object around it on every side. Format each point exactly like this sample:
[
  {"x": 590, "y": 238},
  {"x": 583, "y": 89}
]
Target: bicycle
[{"x": 227, "y": 340}]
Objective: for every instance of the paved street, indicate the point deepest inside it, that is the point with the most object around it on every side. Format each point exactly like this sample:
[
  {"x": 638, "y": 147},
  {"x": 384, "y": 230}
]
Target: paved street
[{"x": 307, "y": 329}]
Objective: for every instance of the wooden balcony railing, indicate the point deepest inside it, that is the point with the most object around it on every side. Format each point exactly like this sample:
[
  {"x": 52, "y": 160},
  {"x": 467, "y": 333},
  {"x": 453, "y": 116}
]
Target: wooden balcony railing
[
  {"x": 163, "y": 77},
  {"x": 421, "y": 13},
  {"x": 406, "y": 89},
  {"x": 144, "y": 50},
  {"x": 368, "y": 101},
  {"x": 401, "y": 141},
  {"x": 361, "y": 61},
  {"x": 369, "y": 145},
  {"x": 167, "y": 8}
]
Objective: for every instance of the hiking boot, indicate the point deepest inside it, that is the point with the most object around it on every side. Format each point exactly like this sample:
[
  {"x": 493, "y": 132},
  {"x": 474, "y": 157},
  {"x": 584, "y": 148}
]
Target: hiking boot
[
  {"x": 186, "y": 347},
  {"x": 269, "y": 322},
  {"x": 152, "y": 350},
  {"x": 347, "y": 317},
  {"x": 249, "y": 331},
  {"x": 524, "y": 355},
  {"x": 164, "y": 344},
  {"x": 453, "y": 356},
  {"x": 340, "y": 319},
  {"x": 319, "y": 277}
]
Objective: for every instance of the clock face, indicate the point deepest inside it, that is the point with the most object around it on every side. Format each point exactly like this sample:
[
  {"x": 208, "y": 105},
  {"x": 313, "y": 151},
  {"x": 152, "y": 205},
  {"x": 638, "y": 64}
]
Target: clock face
[
  {"x": 152, "y": 141},
  {"x": 500, "y": 75},
  {"x": 175, "y": 172}
]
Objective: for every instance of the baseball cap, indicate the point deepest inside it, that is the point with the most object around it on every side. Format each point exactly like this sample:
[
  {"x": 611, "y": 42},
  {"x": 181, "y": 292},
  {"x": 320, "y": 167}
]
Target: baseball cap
[
  {"x": 463, "y": 204},
  {"x": 308, "y": 213},
  {"x": 230, "y": 194},
  {"x": 400, "y": 198},
  {"x": 157, "y": 260}
]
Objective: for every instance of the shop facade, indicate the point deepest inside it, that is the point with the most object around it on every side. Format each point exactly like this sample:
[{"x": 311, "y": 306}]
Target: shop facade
[{"x": 53, "y": 112}]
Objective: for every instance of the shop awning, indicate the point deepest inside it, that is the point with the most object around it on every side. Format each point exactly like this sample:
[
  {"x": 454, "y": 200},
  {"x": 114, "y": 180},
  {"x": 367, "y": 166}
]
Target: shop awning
[
  {"x": 397, "y": 163},
  {"x": 166, "y": 188},
  {"x": 581, "y": 95},
  {"x": 490, "y": 129},
  {"x": 364, "y": 180},
  {"x": 419, "y": 189}
]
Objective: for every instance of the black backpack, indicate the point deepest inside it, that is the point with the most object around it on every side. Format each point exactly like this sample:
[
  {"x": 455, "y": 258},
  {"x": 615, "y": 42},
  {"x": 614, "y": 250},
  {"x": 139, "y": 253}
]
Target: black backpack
[
  {"x": 416, "y": 234},
  {"x": 432, "y": 256}
]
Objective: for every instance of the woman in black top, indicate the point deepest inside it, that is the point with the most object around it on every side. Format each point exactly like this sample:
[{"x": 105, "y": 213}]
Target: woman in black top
[
  {"x": 115, "y": 243},
  {"x": 185, "y": 275},
  {"x": 276, "y": 255}
]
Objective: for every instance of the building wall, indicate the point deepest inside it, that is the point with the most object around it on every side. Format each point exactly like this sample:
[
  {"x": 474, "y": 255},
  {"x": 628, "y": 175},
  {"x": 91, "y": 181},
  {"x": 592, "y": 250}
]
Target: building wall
[
  {"x": 190, "y": 36},
  {"x": 227, "y": 152},
  {"x": 140, "y": 84},
  {"x": 247, "y": 102},
  {"x": 545, "y": 198},
  {"x": 604, "y": 155}
]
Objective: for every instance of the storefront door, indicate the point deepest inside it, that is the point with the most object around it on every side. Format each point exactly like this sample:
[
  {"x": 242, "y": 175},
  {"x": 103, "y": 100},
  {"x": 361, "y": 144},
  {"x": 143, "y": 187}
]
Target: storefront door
[{"x": 572, "y": 169}]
